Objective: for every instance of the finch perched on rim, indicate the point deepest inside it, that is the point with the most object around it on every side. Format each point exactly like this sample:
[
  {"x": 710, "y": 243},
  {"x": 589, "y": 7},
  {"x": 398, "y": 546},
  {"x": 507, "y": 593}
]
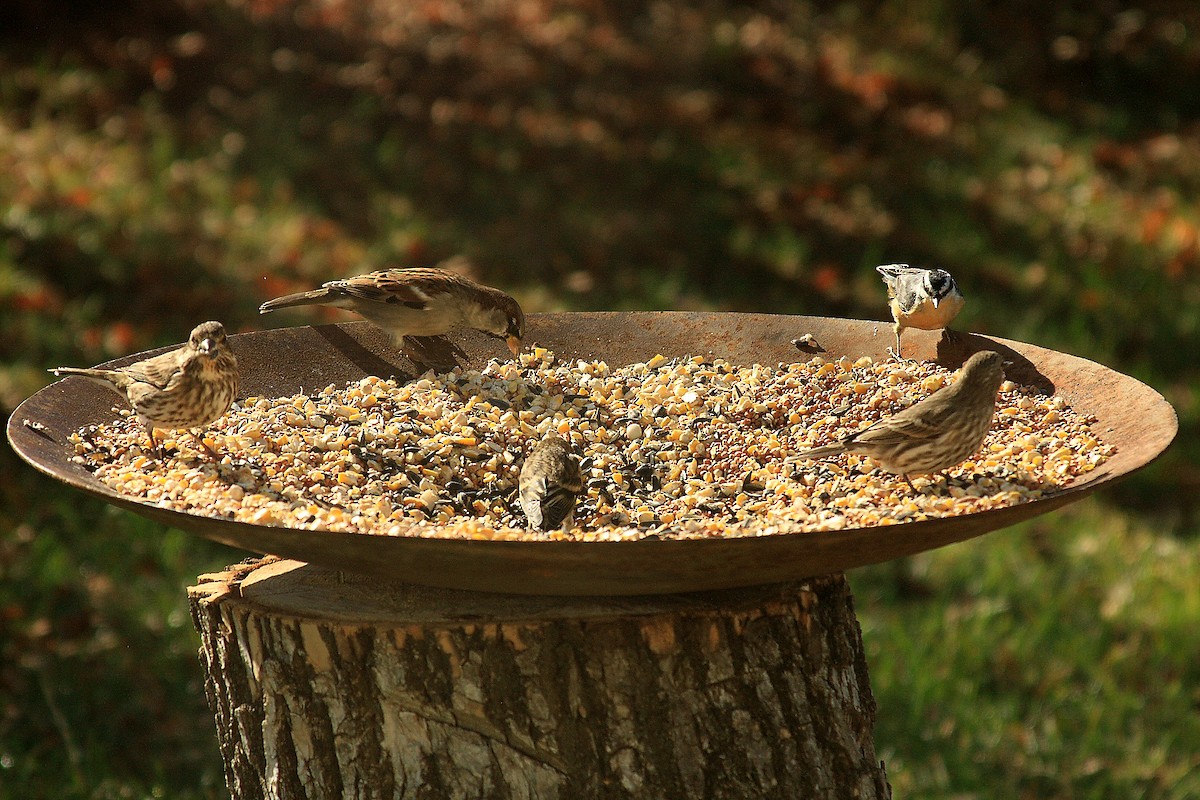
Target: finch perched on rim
[
  {"x": 933, "y": 434},
  {"x": 182, "y": 389},
  {"x": 420, "y": 301},
  {"x": 549, "y": 482},
  {"x": 928, "y": 299}
]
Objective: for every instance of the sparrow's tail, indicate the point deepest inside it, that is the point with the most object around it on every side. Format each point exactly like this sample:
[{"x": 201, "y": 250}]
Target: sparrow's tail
[
  {"x": 891, "y": 270},
  {"x": 315, "y": 297},
  {"x": 106, "y": 377}
]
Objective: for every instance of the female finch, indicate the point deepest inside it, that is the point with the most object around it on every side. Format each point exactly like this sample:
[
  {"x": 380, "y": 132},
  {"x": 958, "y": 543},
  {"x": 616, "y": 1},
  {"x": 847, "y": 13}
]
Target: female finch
[
  {"x": 934, "y": 434},
  {"x": 186, "y": 388},
  {"x": 549, "y": 482}
]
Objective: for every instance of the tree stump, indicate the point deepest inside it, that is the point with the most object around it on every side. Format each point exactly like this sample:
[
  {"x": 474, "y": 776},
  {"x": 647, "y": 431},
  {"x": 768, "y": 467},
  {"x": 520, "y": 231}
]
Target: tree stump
[{"x": 329, "y": 685}]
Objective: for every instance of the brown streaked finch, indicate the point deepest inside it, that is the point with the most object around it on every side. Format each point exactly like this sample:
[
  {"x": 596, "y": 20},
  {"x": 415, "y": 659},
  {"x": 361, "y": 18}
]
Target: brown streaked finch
[
  {"x": 183, "y": 389},
  {"x": 549, "y": 483},
  {"x": 935, "y": 433}
]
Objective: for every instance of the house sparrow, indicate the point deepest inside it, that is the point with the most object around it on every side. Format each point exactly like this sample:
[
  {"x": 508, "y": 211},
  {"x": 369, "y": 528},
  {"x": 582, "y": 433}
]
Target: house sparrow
[
  {"x": 550, "y": 480},
  {"x": 421, "y": 301},
  {"x": 920, "y": 298},
  {"x": 934, "y": 434},
  {"x": 186, "y": 388}
]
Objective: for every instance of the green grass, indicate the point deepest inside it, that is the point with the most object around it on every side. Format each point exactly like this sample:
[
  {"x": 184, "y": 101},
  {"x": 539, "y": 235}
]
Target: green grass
[
  {"x": 1054, "y": 659},
  {"x": 166, "y": 163},
  {"x": 101, "y": 694}
]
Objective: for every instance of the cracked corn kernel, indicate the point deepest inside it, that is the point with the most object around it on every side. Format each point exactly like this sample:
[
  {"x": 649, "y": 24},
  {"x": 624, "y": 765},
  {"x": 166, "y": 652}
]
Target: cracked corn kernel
[{"x": 682, "y": 447}]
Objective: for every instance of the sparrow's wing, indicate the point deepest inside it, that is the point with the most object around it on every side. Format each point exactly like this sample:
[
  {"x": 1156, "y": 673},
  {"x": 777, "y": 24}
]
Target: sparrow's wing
[
  {"x": 899, "y": 428},
  {"x": 391, "y": 286},
  {"x": 161, "y": 371},
  {"x": 569, "y": 476},
  {"x": 546, "y": 503},
  {"x": 557, "y": 503}
]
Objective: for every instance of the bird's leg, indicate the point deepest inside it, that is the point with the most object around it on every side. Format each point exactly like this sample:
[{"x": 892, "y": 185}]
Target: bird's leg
[
  {"x": 199, "y": 437},
  {"x": 945, "y": 481},
  {"x": 414, "y": 348},
  {"x": 156, "y": 445},
  {"x": 896, "y": 353},
  {"x": 436, "y": 352},
  {"x": 908, "y": 480}
]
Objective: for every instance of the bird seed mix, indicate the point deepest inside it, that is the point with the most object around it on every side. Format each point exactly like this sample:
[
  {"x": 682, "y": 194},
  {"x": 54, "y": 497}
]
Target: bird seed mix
[{"x": 673, "y": 447}]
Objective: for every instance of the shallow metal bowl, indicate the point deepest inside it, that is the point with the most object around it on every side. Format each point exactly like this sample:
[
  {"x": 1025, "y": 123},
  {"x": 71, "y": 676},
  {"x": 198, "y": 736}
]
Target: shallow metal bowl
[{"x": 1130, "y": 415}]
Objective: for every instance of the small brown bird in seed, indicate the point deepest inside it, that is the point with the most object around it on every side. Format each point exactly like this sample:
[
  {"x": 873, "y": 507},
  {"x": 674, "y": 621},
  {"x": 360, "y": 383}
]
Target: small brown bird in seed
[
  {"x": 186, "y": 388},
  {"x": 549, "y": 483},
  {"x": 928, "y": 299},
  {"x": 420, "y": 301},
  {"x": 934, "y": 434}
]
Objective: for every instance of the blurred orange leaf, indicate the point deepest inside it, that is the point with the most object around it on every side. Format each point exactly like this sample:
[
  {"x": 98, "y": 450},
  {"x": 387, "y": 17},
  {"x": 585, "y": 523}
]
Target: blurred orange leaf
[
  {"x": 1090, "y": 299},
  {"x": 120, "y": 337},
  {"x": 1183, "y": 234},
  {"x": 1153, "y": 222},
  {"x": 1114, "y": 155},
  {"x": 275, "y": 286},
  {"x": 826, "y": 278},
  {"x": 417, "y": 250},
  {"x": 79, "y": 197},
  {"x": 39, "y": 298}
]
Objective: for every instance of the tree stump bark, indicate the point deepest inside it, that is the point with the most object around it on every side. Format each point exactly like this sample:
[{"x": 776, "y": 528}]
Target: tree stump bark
[{"x": 328, "y": 685}]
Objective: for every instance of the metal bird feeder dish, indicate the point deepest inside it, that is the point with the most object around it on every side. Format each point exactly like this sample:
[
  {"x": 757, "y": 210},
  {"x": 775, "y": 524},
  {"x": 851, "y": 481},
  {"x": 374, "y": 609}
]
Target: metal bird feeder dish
[{"x": 1128, "y": 415}]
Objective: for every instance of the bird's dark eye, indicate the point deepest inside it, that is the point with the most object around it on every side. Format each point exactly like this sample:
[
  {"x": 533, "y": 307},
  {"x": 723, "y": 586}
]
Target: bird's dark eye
[{"x": 514, "y": 328}]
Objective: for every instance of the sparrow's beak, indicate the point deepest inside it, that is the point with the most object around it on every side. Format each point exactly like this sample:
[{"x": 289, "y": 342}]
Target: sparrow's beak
[
  {"x": 514, "y": 344},
  {"x": 936, "y": 301},
  {"x": 207, "y": 346}
]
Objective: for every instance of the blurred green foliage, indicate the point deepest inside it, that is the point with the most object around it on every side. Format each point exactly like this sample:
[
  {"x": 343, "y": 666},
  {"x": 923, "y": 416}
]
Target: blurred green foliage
[{"x": 177, "y": 160}]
